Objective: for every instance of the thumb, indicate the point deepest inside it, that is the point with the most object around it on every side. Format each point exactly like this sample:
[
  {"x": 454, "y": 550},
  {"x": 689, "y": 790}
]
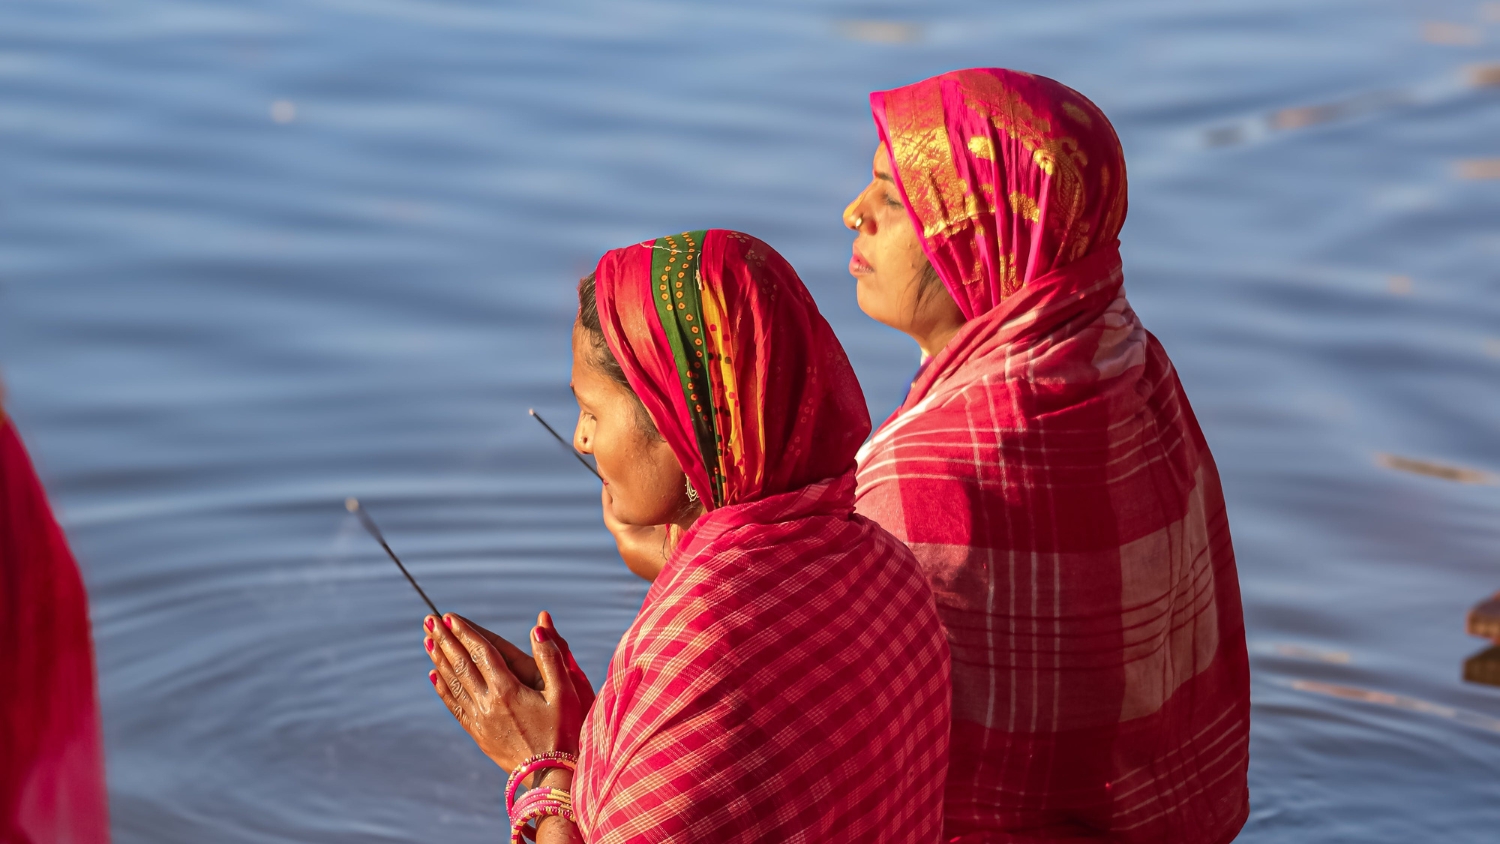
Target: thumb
[
  {"x": 549, "y": 658},
  {"x": 544, "y": 619}
]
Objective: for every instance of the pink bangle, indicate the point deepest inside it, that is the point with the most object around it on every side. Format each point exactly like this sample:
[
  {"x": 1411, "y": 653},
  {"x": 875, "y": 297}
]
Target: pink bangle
[
  {"x": 539, "y": 803},
  {"x": 550, "y": 759}
]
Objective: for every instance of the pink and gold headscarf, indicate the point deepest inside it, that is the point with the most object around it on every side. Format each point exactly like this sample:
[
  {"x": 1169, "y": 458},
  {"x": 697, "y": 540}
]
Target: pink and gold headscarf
[{"x": 1007, "y": 177}]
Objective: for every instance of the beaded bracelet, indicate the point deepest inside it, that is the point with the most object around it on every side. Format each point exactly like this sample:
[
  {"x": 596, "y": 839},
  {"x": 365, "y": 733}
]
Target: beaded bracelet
[
  {"x": 539, "y": 803},
  {"x": 550, "y": 759}
]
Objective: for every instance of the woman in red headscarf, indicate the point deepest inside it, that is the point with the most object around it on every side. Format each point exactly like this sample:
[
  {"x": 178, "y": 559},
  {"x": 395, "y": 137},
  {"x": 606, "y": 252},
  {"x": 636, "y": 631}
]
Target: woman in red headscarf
[
  {"x": 1048, "y": 473},
  {"x": 786, "y": 677},
  {"x": 51, "y": 754}
]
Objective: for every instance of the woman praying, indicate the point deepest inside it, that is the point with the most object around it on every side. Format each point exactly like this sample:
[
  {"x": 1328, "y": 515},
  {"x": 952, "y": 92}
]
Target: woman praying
[
  {"x": 786, "y": 679},
  {"x": 1048, "y": 473}
]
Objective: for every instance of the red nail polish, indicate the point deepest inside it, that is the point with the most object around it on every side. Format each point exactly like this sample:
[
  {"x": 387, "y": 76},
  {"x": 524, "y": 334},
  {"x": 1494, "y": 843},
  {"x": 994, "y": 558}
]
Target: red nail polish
[
  {"x": 432, "y": 675},
  {"x": 429, "y": 625},
  {"x": 430, "y": 645},
  {"x": 540, "y": 633},
  {"x": 448, "y": 622}
]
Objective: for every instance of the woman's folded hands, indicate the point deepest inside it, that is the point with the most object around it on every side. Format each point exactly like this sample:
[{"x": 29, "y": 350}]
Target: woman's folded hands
[{"x": 512, "y": 704}]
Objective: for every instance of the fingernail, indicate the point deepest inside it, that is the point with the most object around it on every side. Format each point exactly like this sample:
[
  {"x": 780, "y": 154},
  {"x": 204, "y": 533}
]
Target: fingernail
[
  {"x": 429, "y": 625},
  {"x": 449, "y": 622},
  {"x": 540, "y": 633},
  {"x": 432, "y": 675},
  {"x": 430, "y": 645}
]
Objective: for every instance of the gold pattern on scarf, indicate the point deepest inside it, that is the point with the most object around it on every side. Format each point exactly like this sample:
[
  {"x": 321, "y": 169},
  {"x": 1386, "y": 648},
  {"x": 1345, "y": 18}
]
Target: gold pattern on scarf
[
  {"x": 989, "y": 196},
  {"x": 1025, "y": 206},
  {"x": 1115, "y": 218},
  {"x": 923, "y": 156},
  {"x": 1058, "y": 156},
  {"x": 1078, "y": 114},
  {"x": 1079, "y": 245},
  {"x": 1010, "y": 280}
]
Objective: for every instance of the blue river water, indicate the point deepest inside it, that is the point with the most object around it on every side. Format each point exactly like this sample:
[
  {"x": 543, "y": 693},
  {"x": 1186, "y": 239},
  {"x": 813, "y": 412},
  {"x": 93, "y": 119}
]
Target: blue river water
[{"x": 258, "y": 257}]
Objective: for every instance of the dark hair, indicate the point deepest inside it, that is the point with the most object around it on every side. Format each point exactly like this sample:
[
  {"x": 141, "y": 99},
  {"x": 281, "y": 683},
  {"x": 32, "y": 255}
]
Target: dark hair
[
  {"x": 929, "y": 282},
  {"x": 588, "y": 317},
  {"x": 603, "y": 358}
]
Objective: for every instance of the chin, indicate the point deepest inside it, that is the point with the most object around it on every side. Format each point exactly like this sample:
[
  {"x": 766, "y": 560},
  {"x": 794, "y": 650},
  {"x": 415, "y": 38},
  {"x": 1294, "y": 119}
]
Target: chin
[
  {"x": 872, "y": 305},
  {"x": 865, "y": 297},
  {"x": 634, "y": 517}
]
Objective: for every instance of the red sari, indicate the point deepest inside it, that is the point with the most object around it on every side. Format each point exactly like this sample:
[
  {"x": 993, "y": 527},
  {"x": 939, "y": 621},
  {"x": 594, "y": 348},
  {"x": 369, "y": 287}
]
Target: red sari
[
  {"x": 786, "y": 678},
  {"x": 1048, "y": 473},
  {"x": 51, "y": 755}
]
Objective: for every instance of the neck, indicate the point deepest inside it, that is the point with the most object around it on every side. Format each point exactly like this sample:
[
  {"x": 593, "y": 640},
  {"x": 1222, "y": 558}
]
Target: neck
[
  {"x": 936, "y": 340},
  {"x": 679, "y": 526}
]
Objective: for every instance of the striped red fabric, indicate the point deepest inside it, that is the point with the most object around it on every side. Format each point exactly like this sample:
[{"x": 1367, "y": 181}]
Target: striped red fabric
[
  {"x": 785, "y": 681},
  {"x": 1048, "y": 472}
]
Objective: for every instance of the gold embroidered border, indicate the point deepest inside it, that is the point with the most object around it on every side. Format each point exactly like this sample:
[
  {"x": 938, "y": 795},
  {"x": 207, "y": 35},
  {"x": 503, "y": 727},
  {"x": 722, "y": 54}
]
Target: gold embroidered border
[
  {"x": 923, "y": 155},
  {"x": 1058, "y": 156}
]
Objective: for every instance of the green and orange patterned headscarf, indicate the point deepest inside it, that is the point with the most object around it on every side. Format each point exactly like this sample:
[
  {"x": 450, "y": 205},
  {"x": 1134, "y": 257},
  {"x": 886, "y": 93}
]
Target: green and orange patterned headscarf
[
  {"x": 727, "y": 352},
  {"x": 1007, "y": 176}
]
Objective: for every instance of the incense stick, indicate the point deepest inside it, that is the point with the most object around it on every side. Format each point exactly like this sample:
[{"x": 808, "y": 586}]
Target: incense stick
[
  {"x": 565, "y": 444},
  {"x": 352, "y": 505}
]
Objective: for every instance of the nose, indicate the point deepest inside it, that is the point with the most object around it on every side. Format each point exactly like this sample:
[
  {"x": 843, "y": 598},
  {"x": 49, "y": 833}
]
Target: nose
[{"x": 853, "y": 219}]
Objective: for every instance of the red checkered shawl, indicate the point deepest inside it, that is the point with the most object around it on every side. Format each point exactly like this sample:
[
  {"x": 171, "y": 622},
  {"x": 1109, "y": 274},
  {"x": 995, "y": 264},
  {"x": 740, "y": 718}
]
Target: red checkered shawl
[
  {"x": 786, "y": 679},
  {"x": 1048, "y": 472},
  {"x": 51, "y": 753}
]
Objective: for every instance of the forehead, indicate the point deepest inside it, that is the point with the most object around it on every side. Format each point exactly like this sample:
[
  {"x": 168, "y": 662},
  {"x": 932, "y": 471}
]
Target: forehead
[{"x": 882, "y": 160}]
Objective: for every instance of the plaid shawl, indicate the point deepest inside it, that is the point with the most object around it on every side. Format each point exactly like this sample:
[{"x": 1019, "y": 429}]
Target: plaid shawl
[
  {"x": 786, "y": 678},
  {"x": 1048, "y": 473},
  {"x": 51, "y": 751}
]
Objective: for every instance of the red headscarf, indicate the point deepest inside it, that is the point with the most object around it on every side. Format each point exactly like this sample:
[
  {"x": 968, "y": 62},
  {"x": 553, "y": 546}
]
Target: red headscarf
[
  {"x": 51, "y": 755},
  {"x": 741, "y": 373},
  {"x": 1008, "y": 177},
  {"x": 1048, "y": 473},
  {"x": 786, "y": 678}
]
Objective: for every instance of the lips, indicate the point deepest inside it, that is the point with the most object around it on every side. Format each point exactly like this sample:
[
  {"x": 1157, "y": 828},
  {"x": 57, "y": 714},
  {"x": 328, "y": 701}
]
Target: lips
[{"x": 858, "y": 265}]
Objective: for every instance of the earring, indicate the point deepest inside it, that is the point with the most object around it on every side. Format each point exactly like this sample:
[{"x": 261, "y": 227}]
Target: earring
[{"x": 691, "y": 493}]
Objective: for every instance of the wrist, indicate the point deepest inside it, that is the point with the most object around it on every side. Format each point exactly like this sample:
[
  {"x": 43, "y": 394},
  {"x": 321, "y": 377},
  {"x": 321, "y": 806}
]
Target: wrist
[
  {"x": 556, "y": 828},
  {"x": 557, "y": 778}
]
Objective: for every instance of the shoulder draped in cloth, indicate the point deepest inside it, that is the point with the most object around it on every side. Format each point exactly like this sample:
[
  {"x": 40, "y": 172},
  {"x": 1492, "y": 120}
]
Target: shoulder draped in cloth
[
  {"x": 786, "y": 679},
  {"x": 1050, "y": 476},
  {"x": 51, "y": 754}
]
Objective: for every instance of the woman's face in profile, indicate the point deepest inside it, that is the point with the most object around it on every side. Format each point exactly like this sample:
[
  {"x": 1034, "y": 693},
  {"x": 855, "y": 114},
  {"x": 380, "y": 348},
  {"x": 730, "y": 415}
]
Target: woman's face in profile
[
  {"x": 642, "y": 475},
  {"x": 888, "y": 262}
]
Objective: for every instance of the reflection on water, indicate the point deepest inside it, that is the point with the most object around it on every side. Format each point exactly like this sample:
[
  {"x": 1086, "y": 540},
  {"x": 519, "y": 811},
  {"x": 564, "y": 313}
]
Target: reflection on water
[
  {"x": 1484, "y": 619},
  {"x": 1479, "y": 168},
  {"x": 881, "y": 32},
  {"x": 1292, "y": 651},
  {"x": 1456, "y": 34},
  {"x": 1445, "y": 88},
  {"x": 1434, "y": 470},
  {"x": 283, "y": 111},
  {"x": 1410, "y": 704},
  {"x": 1484, "y": 667},
  {"x": 1484, "y": 75},
  {"x": 255, "y": 259}
]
